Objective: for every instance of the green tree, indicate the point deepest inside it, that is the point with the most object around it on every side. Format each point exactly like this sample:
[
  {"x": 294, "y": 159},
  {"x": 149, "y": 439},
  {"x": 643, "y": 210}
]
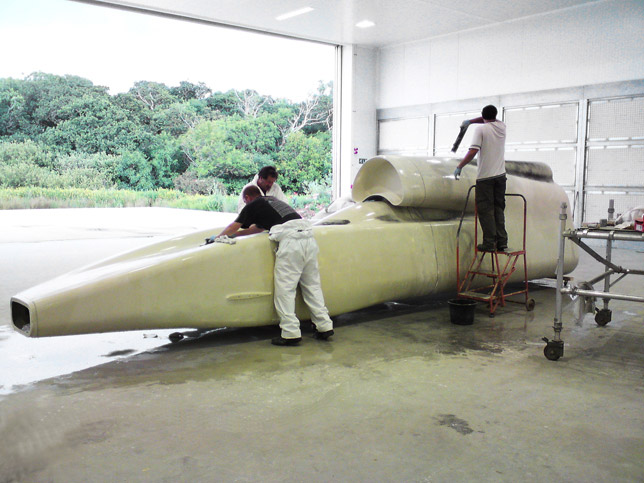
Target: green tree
[
  {"x": 187, "y": 91},
  {"x": 304, "y": 159},
  {"x": 134, "y": 171},
  {"x": 250, "y": 103},
  {"x": 47, "y": 98},
  {"x": 223, "y": 104},
  {"x": 145, "y": 102},
  {"x": 153, "y": 95},
  {"x": 178, "y": 117},
  {"x": 134, "y": 109},
  {"x": 257, "y": 135},
  {"x": 12, "y": 108},
  {"x": 212, "y": 155},
  {"x": 166, "y": 159},
  {"x": 322, "y": 111},
  {"x": 93, "y": 125},
  {"x": 314, "y": 114}
]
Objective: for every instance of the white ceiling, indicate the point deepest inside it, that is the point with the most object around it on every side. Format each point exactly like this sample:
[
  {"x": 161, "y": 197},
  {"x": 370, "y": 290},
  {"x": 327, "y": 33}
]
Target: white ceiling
[{"x": 333, "y": 21}]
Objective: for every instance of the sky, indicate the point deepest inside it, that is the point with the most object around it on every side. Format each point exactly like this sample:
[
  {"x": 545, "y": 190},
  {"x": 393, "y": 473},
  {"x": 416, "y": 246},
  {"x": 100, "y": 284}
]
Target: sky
[{"x": 115, "y": 48}]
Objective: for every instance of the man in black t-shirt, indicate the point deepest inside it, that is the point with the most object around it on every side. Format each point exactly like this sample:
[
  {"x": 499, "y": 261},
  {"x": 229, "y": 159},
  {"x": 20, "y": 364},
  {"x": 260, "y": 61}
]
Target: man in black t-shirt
[
  {"x": 266, "y": 212},
  {"x": 295, "y": 261}
]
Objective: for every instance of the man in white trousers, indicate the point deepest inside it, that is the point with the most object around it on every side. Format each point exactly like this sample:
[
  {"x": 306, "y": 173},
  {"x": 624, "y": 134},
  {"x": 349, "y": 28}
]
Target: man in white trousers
[{"x": 296, "y": 261}]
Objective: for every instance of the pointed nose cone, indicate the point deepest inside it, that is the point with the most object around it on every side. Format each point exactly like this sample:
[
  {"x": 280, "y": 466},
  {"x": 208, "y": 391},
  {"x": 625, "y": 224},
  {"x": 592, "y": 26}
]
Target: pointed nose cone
[{"x": 189, "y": 286}]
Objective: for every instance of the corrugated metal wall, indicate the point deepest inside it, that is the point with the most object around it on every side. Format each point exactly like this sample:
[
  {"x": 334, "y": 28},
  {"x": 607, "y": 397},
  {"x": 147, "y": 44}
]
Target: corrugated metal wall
[
  {"x": 614, "y": 155},
  {"x": 594, "y": 145}
]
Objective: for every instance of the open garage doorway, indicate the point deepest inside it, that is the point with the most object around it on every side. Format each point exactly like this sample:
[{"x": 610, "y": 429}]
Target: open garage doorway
[{"x": 102, "y": 97}]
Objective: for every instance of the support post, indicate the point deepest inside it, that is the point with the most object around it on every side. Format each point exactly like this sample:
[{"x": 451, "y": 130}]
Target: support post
[
  {"x": 560, "y": 269},
  {"x": 609, "y": 253},
  {"x": 555, "y": 348}
]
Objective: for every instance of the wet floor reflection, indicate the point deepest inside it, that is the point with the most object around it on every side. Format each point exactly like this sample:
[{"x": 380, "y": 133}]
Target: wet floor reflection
[{"x": 366, "y": 340}]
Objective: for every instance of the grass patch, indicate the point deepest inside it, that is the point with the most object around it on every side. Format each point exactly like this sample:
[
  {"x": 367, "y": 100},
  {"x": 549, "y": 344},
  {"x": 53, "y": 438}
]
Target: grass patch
[
  {"x": 35, "y": 198},
  {"x": 43, "y": 198}
]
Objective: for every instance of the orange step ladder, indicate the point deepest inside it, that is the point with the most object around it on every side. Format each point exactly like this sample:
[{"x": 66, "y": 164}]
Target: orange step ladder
[{"x": 489, "y": 272}]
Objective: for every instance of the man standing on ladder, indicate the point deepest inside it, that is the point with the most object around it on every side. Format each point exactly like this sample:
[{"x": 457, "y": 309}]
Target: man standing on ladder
[{"x": 489, "y": 142}]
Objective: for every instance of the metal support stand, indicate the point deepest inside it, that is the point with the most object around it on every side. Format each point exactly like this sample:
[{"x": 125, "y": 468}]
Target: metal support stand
[{"x": 554, "y": 348}]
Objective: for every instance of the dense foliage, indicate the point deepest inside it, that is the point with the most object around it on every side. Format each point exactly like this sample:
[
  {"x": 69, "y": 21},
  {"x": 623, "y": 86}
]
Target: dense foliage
[{"x": 64, "y": 132}]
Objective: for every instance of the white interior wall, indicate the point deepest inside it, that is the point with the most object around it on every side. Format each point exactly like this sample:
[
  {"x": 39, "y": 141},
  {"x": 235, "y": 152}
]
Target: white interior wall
[
  {"x": 558, "y": 55},
  {"x": 591, "y": 44},
  {"x": 358, "y": 110}
]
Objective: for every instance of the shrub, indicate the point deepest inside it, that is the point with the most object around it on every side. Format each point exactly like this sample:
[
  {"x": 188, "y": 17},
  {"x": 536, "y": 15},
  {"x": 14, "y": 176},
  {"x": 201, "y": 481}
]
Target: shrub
[
  {"x": 25, "y": 152},
  {"x": 189, "y": 183}
]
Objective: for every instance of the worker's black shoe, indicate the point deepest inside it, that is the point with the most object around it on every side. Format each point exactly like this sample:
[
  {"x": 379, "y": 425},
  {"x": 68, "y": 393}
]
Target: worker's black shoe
[
  {"x": 323, "y": 335},
  {"x": 501, "y": 248},
  {"x": 282, "y": 341},
  {"x": 484, "y": 247}
]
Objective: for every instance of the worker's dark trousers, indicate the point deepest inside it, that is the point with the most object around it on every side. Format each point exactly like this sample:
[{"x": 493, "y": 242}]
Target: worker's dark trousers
[{"x": 490, "y": 204}]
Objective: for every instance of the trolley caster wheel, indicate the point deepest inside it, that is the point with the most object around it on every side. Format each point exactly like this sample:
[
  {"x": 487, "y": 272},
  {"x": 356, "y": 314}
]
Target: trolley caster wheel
[
  {"x": 554, "y": 349},
  {"x": 176, "y": 337},
  {"x": 529, "y": 305},
  {"x": 603, "y": 317}
]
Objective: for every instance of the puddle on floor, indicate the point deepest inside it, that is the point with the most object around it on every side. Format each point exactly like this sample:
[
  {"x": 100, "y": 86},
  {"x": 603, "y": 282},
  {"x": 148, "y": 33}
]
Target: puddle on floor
[{"x": 24, "y": 361}]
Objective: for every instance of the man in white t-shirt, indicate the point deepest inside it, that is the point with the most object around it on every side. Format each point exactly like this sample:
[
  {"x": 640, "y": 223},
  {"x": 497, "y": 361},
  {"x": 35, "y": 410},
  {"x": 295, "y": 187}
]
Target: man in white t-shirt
[
  {"x": 489, "y": 142},
  {"x": 265, "y": 180}
]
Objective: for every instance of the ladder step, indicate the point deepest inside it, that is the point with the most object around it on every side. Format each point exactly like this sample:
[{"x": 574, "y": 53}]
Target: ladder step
[
  {"x": 512, "y": 252},
  {"x": 487, "y": 273},
  {"x": 475, "y": 295}
]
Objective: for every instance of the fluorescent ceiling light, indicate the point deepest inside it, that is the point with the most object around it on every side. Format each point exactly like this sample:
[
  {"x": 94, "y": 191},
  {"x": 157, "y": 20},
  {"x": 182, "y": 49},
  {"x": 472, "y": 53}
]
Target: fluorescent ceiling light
[
  {"x": 294, "y": 13},
  {"x": 365, "y": 24}
]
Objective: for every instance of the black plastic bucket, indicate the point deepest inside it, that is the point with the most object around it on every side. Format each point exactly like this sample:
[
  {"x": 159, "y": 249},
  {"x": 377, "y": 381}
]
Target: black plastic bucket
[{"x": 461, "y": 311}]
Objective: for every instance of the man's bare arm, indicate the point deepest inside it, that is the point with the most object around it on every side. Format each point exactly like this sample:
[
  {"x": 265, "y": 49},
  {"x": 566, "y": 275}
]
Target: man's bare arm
[
  {"x": 251, "y": 230},
  {"x": 468, "y": 157},
  {"x": 230, "y": 229},
  {"x": 234, "y": 230}
]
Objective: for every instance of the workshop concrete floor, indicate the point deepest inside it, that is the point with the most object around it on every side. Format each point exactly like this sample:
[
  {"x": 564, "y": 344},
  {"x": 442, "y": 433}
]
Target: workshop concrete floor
[{"x": 399, "y": 394}]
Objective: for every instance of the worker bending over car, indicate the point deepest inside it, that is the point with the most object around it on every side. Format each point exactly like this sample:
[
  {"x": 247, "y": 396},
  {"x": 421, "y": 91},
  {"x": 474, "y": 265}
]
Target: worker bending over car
[{"x": 296, "y": 261}]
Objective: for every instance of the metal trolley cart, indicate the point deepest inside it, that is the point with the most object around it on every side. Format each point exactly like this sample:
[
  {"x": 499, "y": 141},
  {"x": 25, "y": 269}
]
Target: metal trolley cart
[
  {"x": 555, "y": 348},
  {"x": 496, "y": 273}
]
